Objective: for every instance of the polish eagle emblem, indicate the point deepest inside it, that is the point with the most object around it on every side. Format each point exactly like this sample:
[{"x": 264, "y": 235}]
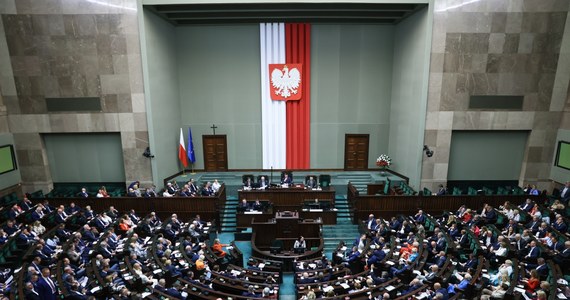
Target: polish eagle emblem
[{"x": 285, "y": 81}]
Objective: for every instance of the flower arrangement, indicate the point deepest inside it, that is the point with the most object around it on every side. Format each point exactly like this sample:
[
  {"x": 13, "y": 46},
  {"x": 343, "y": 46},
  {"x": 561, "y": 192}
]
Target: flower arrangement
[{"x": 384, "y": 161}]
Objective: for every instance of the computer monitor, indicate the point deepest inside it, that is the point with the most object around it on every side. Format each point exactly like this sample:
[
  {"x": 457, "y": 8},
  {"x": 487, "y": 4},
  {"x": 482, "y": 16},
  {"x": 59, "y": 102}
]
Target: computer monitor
[{"x": 299, "y": 250}]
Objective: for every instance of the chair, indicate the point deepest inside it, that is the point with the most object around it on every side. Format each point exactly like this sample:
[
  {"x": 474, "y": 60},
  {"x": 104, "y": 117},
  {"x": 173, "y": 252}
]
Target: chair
[
  {"x": 314, "y": 178},
  {"x": 246, "y": 176},
  {"x": 267, "y": 178},
  {"x": 325, "y": 180},
  {"x": 276, "y": 246}
]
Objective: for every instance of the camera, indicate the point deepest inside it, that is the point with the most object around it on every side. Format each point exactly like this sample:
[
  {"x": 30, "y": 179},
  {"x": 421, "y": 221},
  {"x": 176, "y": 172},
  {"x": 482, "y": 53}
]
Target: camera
[
  {"x": 147, "y": 153},
  {"x": 429, "y": 153}
]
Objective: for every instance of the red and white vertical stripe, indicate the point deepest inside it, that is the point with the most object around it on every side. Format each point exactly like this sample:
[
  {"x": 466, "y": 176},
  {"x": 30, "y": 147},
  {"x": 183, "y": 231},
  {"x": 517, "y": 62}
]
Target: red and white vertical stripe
[{"x": 286, "y": 126}]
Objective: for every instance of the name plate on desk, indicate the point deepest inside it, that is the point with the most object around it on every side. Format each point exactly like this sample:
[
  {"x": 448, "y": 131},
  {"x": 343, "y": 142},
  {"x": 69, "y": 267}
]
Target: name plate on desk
[
  {"x": 316, "y": 210},
  {"x": 253, "y": 212}
]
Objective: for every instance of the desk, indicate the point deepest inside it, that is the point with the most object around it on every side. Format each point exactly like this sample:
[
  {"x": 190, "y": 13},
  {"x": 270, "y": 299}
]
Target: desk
[
  {"x": 328, "y": 217},
  {"x": 244, "y": 219},
  {"x": 288, "y": 198}
]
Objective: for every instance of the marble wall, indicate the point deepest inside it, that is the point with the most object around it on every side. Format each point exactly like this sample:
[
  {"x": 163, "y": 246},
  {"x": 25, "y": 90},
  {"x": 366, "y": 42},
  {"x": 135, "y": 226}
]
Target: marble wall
[
  {"x": 496, "y": 47},
  {"x": 72, "y": 48}
]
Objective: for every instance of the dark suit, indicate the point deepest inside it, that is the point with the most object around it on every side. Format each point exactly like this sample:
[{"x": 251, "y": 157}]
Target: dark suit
[
  {"x": 311, "y": 183},
  {"x": 371, "y": 224},
  {"x": 32, "y": 295},
  {"x": 75, "y": 295},
  {"x": 286, "y": 180},
  {"x": 263, "y": 183},
  {"x": 45, "y": 289},
  {"x": 464, "y": 241},
  {"x": 174, "y": 293},
  {"x": 542, "y": 271},
  {"x": 533, "y": 253},
  {"x": 520, "y": 245},
  {"x": 560, "y": 227}
]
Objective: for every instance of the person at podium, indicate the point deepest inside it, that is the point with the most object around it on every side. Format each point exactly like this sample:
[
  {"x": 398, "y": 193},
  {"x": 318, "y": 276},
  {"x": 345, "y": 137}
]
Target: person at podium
[
  {"x": 311, "y": 183},
  {"x": 257, "y": 206},
  {"x": 263, "y": 182},
  {"x": 300, "y": 245},
  {"x": 286, "y": 180},
  {"x": 243, "y": 206}
]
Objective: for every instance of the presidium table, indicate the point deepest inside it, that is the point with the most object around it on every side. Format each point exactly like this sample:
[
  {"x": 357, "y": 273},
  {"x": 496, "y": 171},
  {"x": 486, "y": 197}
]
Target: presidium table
[{"x": 311, "y": 204}]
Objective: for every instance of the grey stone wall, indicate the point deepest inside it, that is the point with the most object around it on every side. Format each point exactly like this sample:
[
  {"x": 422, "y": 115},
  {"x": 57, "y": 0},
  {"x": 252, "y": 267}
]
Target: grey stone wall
[
  {"x": 496, "y": 47},
  {"x": 72, "y": 48}
]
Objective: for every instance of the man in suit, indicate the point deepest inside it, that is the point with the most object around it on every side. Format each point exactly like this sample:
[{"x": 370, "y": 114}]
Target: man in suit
[
  {"x": 565, "y": 194},
  {"x": 527, "y": 206},
  {"x": 560, "y": 225},
  {"x": 286, "y": 179},
  {"x": 262, "y": 182},
  {"x": 193, "y": 187},
  {"x": 519, "y": 245},
  {"x": 243, "y": 205},
  {"x": 371, "y": 223},
  {"x": 533, "y": 252},
  {"x": 47, "y": 289},
  {"x": 250, "y": 292},
  {"x": 170, "y": 188},
  {"x": 563, "y": 258},
  {"x": 311, "y": 182},
  {"x": 72, "y": 208},
  {"x": 420, "y": 217},
  {"x": 83, "y": 193},
  {"x": 75, "y": 293},
  {"x": 31, "y": 293},
  {"x": 534, "y": 225},
  {"x": 442, "y": 191},
  {"x": 37, "y": 214},
  {"x": 414, "y": 285},
  {"x": 464, "y": 239},
  {"x": 542, "y": 268},
  {"x": 438, "y": 289},
  {"x": 174, "y": 291}
]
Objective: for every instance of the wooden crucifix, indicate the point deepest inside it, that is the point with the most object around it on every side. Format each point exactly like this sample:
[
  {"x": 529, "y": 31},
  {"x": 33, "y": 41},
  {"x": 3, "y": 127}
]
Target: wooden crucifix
[{"x": 214, "y": 128}]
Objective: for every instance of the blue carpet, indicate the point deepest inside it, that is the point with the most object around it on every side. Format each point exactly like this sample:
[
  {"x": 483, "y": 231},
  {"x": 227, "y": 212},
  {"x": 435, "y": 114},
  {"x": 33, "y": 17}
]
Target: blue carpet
[
  {"x": 226, "y": 238},
  {"x": 288, "y": 286},
  {"x": 245, "y": 248}
]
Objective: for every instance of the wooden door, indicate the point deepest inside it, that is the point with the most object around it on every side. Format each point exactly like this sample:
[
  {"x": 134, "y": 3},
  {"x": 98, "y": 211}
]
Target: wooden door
[
  {"x": 356, "y": 151},
  {"x": 215, "y": 153}
]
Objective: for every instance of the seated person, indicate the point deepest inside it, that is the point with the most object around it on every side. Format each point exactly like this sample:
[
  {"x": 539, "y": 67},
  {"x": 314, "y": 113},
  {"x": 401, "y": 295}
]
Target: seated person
[
  {"x": 248, "y": 184},
  {"x": 207, "y": 190},
  {"x": 257, "y": 206},
  {"x": 243, "y": 205},
  {"x": 217, "y": 248},
  {"x": 83, "y": 193},
  {"x": 311, "y": 183},
  {"x": 263, "y": 183},
  {"x": 300, "y": 245},
  {"x": 313, "y": 204},
  {"x": 286, "y": 180}
]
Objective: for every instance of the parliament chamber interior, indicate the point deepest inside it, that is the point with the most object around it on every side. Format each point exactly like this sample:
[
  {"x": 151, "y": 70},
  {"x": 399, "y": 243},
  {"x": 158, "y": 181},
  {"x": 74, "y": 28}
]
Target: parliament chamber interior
[{"x": 285, "y": 149}]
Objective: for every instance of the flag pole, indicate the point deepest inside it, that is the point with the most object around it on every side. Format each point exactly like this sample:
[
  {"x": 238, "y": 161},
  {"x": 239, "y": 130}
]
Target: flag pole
[{"x": 193, "y": 173}]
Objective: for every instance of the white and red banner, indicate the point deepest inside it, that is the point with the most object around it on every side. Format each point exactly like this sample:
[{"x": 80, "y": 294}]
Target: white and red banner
[{"x": 285, "y": 124}]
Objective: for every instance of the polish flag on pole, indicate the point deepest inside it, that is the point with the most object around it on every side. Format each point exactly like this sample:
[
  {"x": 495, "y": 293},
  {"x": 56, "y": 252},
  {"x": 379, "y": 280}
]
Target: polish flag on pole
[{"x": 182, "y": 151}]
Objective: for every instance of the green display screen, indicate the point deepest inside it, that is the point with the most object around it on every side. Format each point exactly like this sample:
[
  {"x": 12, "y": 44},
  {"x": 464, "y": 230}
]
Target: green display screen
[
  {"x": 563, "y": 155},
  {"x": 7, "y": 159}
]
